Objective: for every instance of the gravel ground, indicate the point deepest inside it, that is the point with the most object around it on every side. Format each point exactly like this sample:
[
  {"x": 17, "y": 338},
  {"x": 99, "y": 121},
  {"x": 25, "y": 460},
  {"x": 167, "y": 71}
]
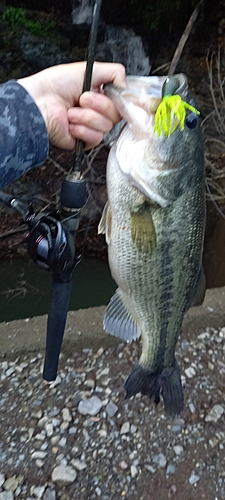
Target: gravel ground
[{"x": 78, "y": 438}]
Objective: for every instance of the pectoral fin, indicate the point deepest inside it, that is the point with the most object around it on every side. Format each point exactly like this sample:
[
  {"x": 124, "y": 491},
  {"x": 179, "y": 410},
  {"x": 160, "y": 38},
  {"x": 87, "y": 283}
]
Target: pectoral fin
[
  {"x": 117, "y": 320},
  {"x": 105, "y": 223},
  {"x": 143, "y": 229}
]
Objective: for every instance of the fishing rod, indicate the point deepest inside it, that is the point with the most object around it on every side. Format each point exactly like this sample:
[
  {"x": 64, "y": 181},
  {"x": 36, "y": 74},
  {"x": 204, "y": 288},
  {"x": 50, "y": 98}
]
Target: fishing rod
[{"x": 51, "y": 235}]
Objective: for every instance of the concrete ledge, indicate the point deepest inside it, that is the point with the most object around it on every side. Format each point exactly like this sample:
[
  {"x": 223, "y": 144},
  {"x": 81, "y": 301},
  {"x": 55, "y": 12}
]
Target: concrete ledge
[{"x": 84, "y": 328}]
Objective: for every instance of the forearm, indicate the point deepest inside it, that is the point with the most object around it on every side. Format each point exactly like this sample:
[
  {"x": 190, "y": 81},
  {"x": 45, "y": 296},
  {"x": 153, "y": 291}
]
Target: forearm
[{"x": 23, "y": 134}]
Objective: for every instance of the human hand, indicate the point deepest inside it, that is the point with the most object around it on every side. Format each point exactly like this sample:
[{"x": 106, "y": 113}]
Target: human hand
[{"x": 69, "y": 114}]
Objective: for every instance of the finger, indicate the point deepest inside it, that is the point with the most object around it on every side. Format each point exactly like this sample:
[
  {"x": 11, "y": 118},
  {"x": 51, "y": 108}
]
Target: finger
[
  {"x": 108, "y": 72},
  {"x": 90, "y": 137},
  {"x": 90, "y": 119},
  {"x": 101, "y": 104},
  {"x": 66, "y": 142}
]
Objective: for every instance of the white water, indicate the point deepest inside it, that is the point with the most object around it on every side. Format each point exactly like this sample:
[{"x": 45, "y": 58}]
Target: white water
[
  {"x": 119, "y": 44},
  {"x": 82, "y": 11},
  {"x": 124, "y": 46}
]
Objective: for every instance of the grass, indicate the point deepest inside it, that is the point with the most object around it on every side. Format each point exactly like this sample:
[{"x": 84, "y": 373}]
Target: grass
[{"x": 17, "y": 17}]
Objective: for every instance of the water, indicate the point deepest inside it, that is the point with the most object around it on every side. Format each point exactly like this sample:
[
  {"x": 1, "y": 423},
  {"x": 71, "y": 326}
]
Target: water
[
  {"x": 82, "y": 11},
  {"x": 118, "y": 44},
  {"x": 124, "y": 46},
  {"x": 25, "y": 290}
]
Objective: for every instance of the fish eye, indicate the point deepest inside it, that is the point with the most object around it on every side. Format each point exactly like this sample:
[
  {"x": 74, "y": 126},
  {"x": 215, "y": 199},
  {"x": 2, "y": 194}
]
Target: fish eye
[{"x": 191, "y": 120}]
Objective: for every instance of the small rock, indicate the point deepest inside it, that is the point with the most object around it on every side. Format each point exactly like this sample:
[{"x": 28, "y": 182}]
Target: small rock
[
  {"x": 111, "y": 409},
  {"x": 190, "y": 372},
  {"x": 64, "y": 426},
  {"x": 193, "y": 478},
  {"x": 64, "y": 474},
  {"x": 185, "y": 345},
  {"x": 171, "y": 469},
  {"x": 62, "y": 442},
  {"x": 49, "y": 494},
  {"x": 39, "y": 463},
  {"x": 49, "y": 429},
  {"x": 192, "y": 408},
  {"x": 150, "y": 468},
  {"x": 72, "y": 430},
  {"x": 66, "y": 415},
  {"x": 178, "y": 449},
  {"x": 9, "y": 372},
  {"x": 160, "y": 460},
  {"x": 55, "y": 440},
  {"x": 38, "y": 491},
  {"x": 172, "y": 490},
  {"x": 103, "y": 372},
  {"x": 39, "y": 436},
  {"x": 90, "y": 406},
  {"x": 78, "y": 464},
  {"x": 90, "y": 383},
  {"x": 203, "y": 336},
  {"x": 37, "y": 414},
  {"x": 76, "y": 400},
  {"x": 222, "y": 332},
  {"x": 213, "y": 441},
  {"x": 176, "y": 429},
  {"x": 133, "y": 471},
  {"x": 55, "y": 382},
  {"x": 123, "y": 465},
  {"x": 125, "y": 429},
  {"x": 215, "y": 413},
  {"x": 2, "y": 479},
  {"x": 103, "y": 433},
  {"x": 6, "y": 495},
  {"x": 43, "y": 421},
  {"x": 10, "y": 484},
  {"x": 38, "y": 454}
]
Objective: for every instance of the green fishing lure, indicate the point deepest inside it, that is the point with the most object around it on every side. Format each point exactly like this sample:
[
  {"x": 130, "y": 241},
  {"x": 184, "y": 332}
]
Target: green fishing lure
[{"x": 170, "y": 114}]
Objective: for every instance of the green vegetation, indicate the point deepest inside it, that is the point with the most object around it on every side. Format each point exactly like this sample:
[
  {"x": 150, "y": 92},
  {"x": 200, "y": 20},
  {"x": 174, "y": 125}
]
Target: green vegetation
[
  {"x": 17, "y": 17},
  {"x": 14, "y": 15}
]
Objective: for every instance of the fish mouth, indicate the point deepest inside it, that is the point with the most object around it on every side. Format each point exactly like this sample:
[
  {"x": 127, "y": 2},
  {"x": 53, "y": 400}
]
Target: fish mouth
[
  {"x": 145, "y": 86},
  {"x": 144, "y": 92}
]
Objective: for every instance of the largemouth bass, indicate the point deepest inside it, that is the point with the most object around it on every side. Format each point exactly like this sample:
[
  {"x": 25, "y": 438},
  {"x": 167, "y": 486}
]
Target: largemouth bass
[{"x": 154, "y": 223}]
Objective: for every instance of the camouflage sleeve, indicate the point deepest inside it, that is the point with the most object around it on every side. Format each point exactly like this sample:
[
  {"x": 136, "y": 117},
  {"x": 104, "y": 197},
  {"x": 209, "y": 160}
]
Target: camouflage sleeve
[{"x": 23, "y": 134}]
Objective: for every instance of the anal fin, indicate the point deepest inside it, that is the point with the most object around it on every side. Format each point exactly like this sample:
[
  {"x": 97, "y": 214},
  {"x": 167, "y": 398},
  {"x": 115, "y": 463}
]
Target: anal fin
[{"x": 118, "y": 322}]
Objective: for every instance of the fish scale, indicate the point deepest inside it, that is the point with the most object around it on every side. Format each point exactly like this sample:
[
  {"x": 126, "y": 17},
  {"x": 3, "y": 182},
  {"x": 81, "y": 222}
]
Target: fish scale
[{"x": 154, "y": 250}]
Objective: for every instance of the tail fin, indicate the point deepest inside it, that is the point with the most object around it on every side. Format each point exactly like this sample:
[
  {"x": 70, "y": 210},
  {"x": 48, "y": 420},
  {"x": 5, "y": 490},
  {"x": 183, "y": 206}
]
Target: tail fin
[{"x": 166, "y": 383}]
